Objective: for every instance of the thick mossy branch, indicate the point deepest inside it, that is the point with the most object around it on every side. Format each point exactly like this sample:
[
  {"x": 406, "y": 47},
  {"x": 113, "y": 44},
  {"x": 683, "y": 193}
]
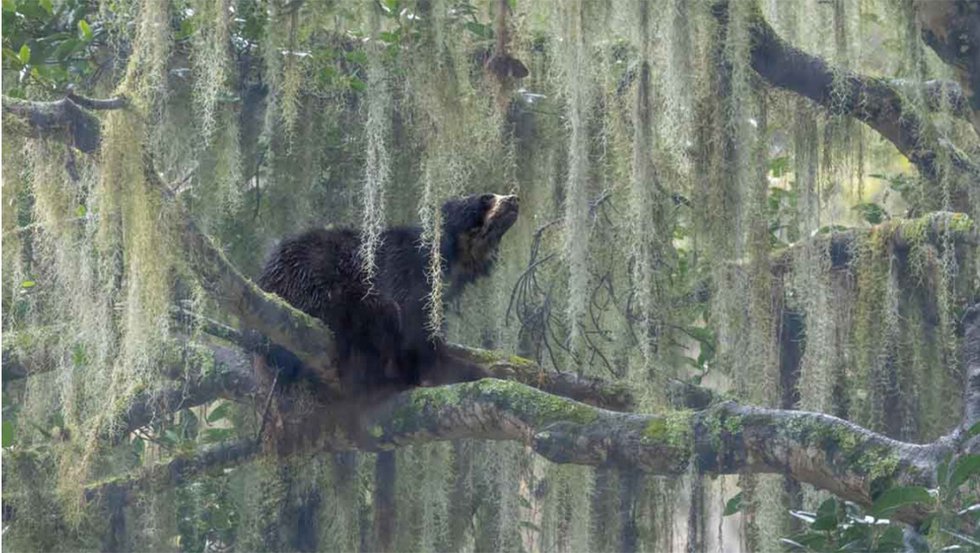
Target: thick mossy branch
[
  {"x": 876, "y": 102},
  {"x": 821, "y": 450},
  {"x": 306, "y": 337},
  {"x": 902, "y": 234},
  {"x": 212, "y": 372},
  {"x": 952, "y": 29},
  {"x": 175, "y": 471},
  {"x": 829, "y": 453},
  {"x": 29, "y": 352},
  {"x": 594, "y": 391},
  {"x": 67, "y": 119}
]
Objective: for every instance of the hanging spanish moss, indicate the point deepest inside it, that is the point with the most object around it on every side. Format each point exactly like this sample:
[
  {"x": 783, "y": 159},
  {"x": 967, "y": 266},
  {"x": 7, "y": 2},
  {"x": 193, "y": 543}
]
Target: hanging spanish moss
[
  {"x": 148, "y": 67},
  {"x": 642, "y": 185},
  {"x": 576, "y": 216},
  {"x": 376, "y": 161},
  {"x": 681, "y": 218},
  {"x": 209, "y": 57}
]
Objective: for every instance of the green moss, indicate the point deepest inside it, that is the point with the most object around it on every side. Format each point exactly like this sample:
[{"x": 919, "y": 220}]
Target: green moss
[
  {"x": 520, "y": 361},
  {"x": 674, "y": 429},
  {"x": 959, "y": 222},
  {"x": 490, "y": 357},
  {"x": 536, "y": 407},
  {"x": 846, "y": 445},
  {"x": 733, "y": 424},
  {"x": 877, "y": 462},
  {"x": 656, "y": 429},
  {"x": 376, "y": 431},
  {"x": 543, "y": 408}
]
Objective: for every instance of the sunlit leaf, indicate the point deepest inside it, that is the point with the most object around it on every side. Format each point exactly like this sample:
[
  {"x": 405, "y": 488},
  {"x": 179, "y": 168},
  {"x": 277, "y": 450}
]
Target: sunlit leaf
[
  {"x": 139, "y": 445},
  {"x": 213, "y": 435},
  {"x": 733, "y": 505},
  {"x": 965, "y": 467},
  {"x": 25, "y": 54},
  {"x": 871, "y": 212},
  {"x": 779, "y": 166},
  {"x": 479, "y": 29},
  {"x": 85, "y": 29},
  {"x": 7, "y": 434},
  {"x": 901, "y": 496},
  {"x": 218, "y": 413}
]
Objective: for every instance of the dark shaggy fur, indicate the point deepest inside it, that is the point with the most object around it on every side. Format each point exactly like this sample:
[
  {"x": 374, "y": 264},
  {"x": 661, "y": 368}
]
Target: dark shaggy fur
[{"x": 381, "y": 329}]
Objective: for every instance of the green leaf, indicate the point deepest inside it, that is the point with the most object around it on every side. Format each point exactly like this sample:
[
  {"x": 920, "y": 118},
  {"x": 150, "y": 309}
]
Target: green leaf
[
  {"x": 871, "y": 212},
  {"x": 389, "y": 37},
  {"x": 139, "y": 445},
  {"x": 891, "y": 540},
  {"x": 900, "y": 496},
  {"x": 28, "y": 284},
  {"x": 81, "y": 211},
  {"x": 218, "y": 413},
  {"x": 512, "y": 4},
  {"x": 943, "y": 470},
  {"x": 826, "y": 516},
  {"x": 213, "y": 435},
  {"x": 85, "y": 29},
  {"x": 357, "y": 84},
  {"x": 7, "y": 434},
  {"x": 779, "y": 166},
  {"x": 78, "y": 356},
  {"x": 965, "y": 467},
  {"x": 973, "y": 431},
  {"x": 479, "y": 29},
  {"x": 46, "y": 6},
  {"x": 10, "y": 5},
  {"x": 25, "y": 54},
  {"x": 823, "y": 524},
  {"x": 169, "y": 437},
  {"x": 733, "y": 505},
  {"x": 810, "y": 541}
]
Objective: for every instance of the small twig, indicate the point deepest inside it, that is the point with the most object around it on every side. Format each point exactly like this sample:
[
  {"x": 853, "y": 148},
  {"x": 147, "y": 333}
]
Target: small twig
[{"x": 268, "y": 404}]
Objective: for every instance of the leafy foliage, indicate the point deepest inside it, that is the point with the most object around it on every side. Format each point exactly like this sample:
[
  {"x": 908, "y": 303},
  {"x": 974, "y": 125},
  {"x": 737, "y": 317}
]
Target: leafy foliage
[
  {"x": 952, "y": 525},
  {"x": 51, "y": 44}
]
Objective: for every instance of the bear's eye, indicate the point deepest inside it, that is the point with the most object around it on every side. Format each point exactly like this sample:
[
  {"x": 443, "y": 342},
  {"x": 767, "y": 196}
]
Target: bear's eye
[{"x": 486, "y": 200}]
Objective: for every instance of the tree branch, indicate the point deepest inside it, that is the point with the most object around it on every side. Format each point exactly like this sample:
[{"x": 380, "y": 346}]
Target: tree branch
[
  {"x": 67, "y": 119},
  {"x": 216, "y": 372},
  {"x": 176, "y": 470},
  {"x": 903, "y": 234},
  {"x": 952, "y": 29},
  {"x": 305, "y": 336},
  {"x": 829, "y": 453},
  {"x": 874, "y": 101},
  {"x": 971, "y": 362},
  {"x": 594, "y": 391}
]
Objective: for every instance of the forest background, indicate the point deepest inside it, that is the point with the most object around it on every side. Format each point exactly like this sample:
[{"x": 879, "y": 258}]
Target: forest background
[{"x": 745, "y": 262}]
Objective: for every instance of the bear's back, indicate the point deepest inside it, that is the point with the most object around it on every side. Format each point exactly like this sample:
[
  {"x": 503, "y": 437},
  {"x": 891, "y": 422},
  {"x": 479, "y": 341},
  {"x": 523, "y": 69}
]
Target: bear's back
[
  {"x": 321, "y": 269},
  {"x": 310, "y": 269}
]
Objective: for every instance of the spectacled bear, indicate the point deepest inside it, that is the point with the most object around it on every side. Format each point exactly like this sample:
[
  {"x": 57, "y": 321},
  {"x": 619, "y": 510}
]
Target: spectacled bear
[{"x": 381, "y": 324}]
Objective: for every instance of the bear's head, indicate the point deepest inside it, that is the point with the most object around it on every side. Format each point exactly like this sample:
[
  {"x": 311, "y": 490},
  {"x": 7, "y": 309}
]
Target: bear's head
[{"x": 471, "y": 231}]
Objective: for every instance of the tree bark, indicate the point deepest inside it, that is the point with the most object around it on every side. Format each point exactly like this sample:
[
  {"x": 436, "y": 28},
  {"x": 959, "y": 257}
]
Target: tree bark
[
  {"x": 874, "y": 101},
  {"x": 952, "y": 29},
  {"x": 726, "y": 438},
  {"x": 67, "y": 120}
]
